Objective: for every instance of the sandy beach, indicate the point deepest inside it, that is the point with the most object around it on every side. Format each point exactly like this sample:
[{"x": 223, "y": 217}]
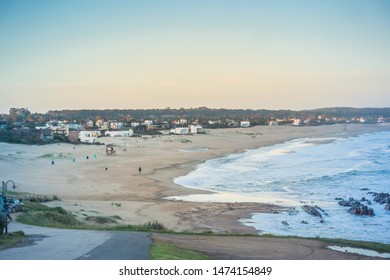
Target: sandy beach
[{"x": 90, "y": 183}]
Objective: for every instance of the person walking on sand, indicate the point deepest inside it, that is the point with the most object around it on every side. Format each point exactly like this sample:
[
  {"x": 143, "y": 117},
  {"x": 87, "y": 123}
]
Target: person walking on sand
[{"x": 139, "y": 170}]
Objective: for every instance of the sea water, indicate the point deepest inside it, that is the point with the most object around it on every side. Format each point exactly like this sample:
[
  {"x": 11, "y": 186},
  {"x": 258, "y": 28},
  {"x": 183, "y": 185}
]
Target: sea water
[{"x": 312, "y": 171}]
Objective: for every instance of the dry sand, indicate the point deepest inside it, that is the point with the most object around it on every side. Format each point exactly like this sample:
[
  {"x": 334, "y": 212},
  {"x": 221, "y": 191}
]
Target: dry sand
[{"x": 86, "y": 188}]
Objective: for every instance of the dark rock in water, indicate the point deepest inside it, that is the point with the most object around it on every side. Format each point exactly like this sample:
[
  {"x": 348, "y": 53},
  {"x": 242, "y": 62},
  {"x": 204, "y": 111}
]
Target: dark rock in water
[
  {"x": 292, "y": 211},
  {"x": 364, "y": 189},
  {"x": 363, "y": 199},
  {"x": 387, "y": 207},
  {"x": 361, "y": 210},
  {"x": 311, "y": 210},
  {"x": 304, "y": 222},
  {"x": 349, "y": 203},
  {"x": 338, "y": 198},
  {"x": 322, "y": 221},
  {"x": 285, "y": 223},
  {"x": 382, "y": 198}
]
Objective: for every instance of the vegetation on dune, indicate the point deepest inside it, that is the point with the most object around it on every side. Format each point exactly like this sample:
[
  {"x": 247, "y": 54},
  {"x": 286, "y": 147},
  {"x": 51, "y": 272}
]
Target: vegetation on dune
[{"x": 42, "y": 215}]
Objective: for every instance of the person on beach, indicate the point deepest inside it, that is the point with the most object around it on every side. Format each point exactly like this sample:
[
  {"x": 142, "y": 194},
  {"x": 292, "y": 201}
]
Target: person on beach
[{"x": 139, "y": 170}]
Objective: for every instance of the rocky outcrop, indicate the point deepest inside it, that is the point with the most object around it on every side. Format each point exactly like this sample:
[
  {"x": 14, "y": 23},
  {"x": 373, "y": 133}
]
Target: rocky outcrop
[
  {"x": 349, "y": 203},
  {"x": 312, "y": 210},
  {"x": 357, "y": 208},
  {"x": 361, "y": 210},
  {"x": 382, "y": 198}
]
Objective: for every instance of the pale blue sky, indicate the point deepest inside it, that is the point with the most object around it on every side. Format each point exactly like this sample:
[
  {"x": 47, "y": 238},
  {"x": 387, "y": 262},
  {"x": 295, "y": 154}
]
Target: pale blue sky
[{"x": 275, "y": 54}]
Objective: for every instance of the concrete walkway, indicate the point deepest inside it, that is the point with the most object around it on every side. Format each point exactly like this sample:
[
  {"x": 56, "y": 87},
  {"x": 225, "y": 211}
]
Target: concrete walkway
[{"x": 64, "y": 244}]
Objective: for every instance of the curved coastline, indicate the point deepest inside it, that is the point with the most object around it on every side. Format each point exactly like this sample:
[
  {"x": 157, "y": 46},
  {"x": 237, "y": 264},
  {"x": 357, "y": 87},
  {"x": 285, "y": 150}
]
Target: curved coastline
[
  {"x": 93, "y": 186},
  {"x": 263, "y": 198}
]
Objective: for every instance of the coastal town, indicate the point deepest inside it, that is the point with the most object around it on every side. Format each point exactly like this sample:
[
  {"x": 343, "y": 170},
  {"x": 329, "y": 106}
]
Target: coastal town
[{"x": 86, "y": 126}]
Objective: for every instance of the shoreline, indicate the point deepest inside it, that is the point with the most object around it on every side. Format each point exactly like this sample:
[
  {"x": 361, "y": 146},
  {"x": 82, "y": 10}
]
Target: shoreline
[{"x": 99, "y": 185}]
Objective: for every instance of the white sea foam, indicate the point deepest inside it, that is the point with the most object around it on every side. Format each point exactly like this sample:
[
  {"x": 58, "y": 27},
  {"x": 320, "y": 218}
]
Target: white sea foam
[
  {"x": 364, "y": 252},
  {"x": 313, "y": 171}
]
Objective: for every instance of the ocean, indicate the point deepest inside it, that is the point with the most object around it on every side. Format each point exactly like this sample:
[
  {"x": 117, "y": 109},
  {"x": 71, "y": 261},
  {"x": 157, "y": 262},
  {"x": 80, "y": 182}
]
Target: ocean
[{"x": 308, "y": 171}]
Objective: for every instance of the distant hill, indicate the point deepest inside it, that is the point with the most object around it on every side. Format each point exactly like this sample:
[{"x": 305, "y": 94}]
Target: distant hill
[{"x": 204, "y": 112}]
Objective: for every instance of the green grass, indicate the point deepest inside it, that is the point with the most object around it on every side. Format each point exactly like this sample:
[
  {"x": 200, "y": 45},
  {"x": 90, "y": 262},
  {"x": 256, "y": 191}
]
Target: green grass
[
  {"x": 49, "y": 217},
  {"x": 166, "y": 251},
  {"x": 379, "y": 247},
  {"x": 12, "y": 239},
  {"x": 42, "y": 215},
  {"x": 103, "y": 220}
]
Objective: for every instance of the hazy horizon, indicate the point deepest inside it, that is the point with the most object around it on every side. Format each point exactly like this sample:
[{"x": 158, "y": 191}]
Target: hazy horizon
[{"x": 245, "y": 54}]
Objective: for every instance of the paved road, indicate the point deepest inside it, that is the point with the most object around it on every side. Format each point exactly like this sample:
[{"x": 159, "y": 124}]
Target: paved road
[{"x": 63, "y": 244}]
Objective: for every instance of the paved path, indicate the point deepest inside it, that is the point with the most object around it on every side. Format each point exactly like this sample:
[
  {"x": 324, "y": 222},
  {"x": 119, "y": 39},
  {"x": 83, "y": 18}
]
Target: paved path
[{"x": 64, "y": 244}]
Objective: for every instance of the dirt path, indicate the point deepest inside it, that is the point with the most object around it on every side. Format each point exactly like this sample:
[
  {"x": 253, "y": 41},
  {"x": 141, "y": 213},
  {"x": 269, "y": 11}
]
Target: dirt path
[{"x": 257, "y": 248}]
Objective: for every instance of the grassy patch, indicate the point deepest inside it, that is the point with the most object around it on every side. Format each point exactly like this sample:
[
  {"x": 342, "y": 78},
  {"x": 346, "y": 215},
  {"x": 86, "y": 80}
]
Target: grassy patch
[
  {"x": 41, "y": 215},
  {"x": 103, "y": 220},
  {"x": 12, "y": 239},
  {"x": 166, "y": 251},
  {"x": 149, "y": 226},
  {"x": 379, "y": 247}
]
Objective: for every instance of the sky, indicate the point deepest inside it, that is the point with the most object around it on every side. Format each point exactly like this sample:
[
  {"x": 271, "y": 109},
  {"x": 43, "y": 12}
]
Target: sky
[{"x": 242, "y": 54}]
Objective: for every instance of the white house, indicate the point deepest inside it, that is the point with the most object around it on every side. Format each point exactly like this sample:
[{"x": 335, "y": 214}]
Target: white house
[
  {"x": 89, "y": 123},
  {"x": 123, "y": 133},
  {"x": 195, "y": 128},
  {"x": 245, "y": 124},
  {"x": 88, "y": 136},
  {"x": 296, "y": 122},
  {"x": 271, "y": 123},
  {"x": 147, "y": 122},
  {"x": 135, "y": 124},
  {"x": 116, "y": 125},
  {"x": 180, "y": 130},
  {"x": 180, "y": 122}
]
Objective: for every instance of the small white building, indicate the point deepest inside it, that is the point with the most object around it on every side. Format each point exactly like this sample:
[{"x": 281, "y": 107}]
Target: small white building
[
  {"x": 116, "y": 125},
  {"x": 180, "y": 130},
  {"x": 245, "y": 124},
  {"x": 89, "y": 123},
  {"x": 296, "y": 122},
  {"x": 88, "y": 136},
  {"x": 122, "y": 133},
  {"x": 180, "y": 122},
  {"x": 135, "y": 124},
  {"x": 147, "y": 122},
  {"x": 271, "y": 123},
  {"x": 194, "y": 129}
]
